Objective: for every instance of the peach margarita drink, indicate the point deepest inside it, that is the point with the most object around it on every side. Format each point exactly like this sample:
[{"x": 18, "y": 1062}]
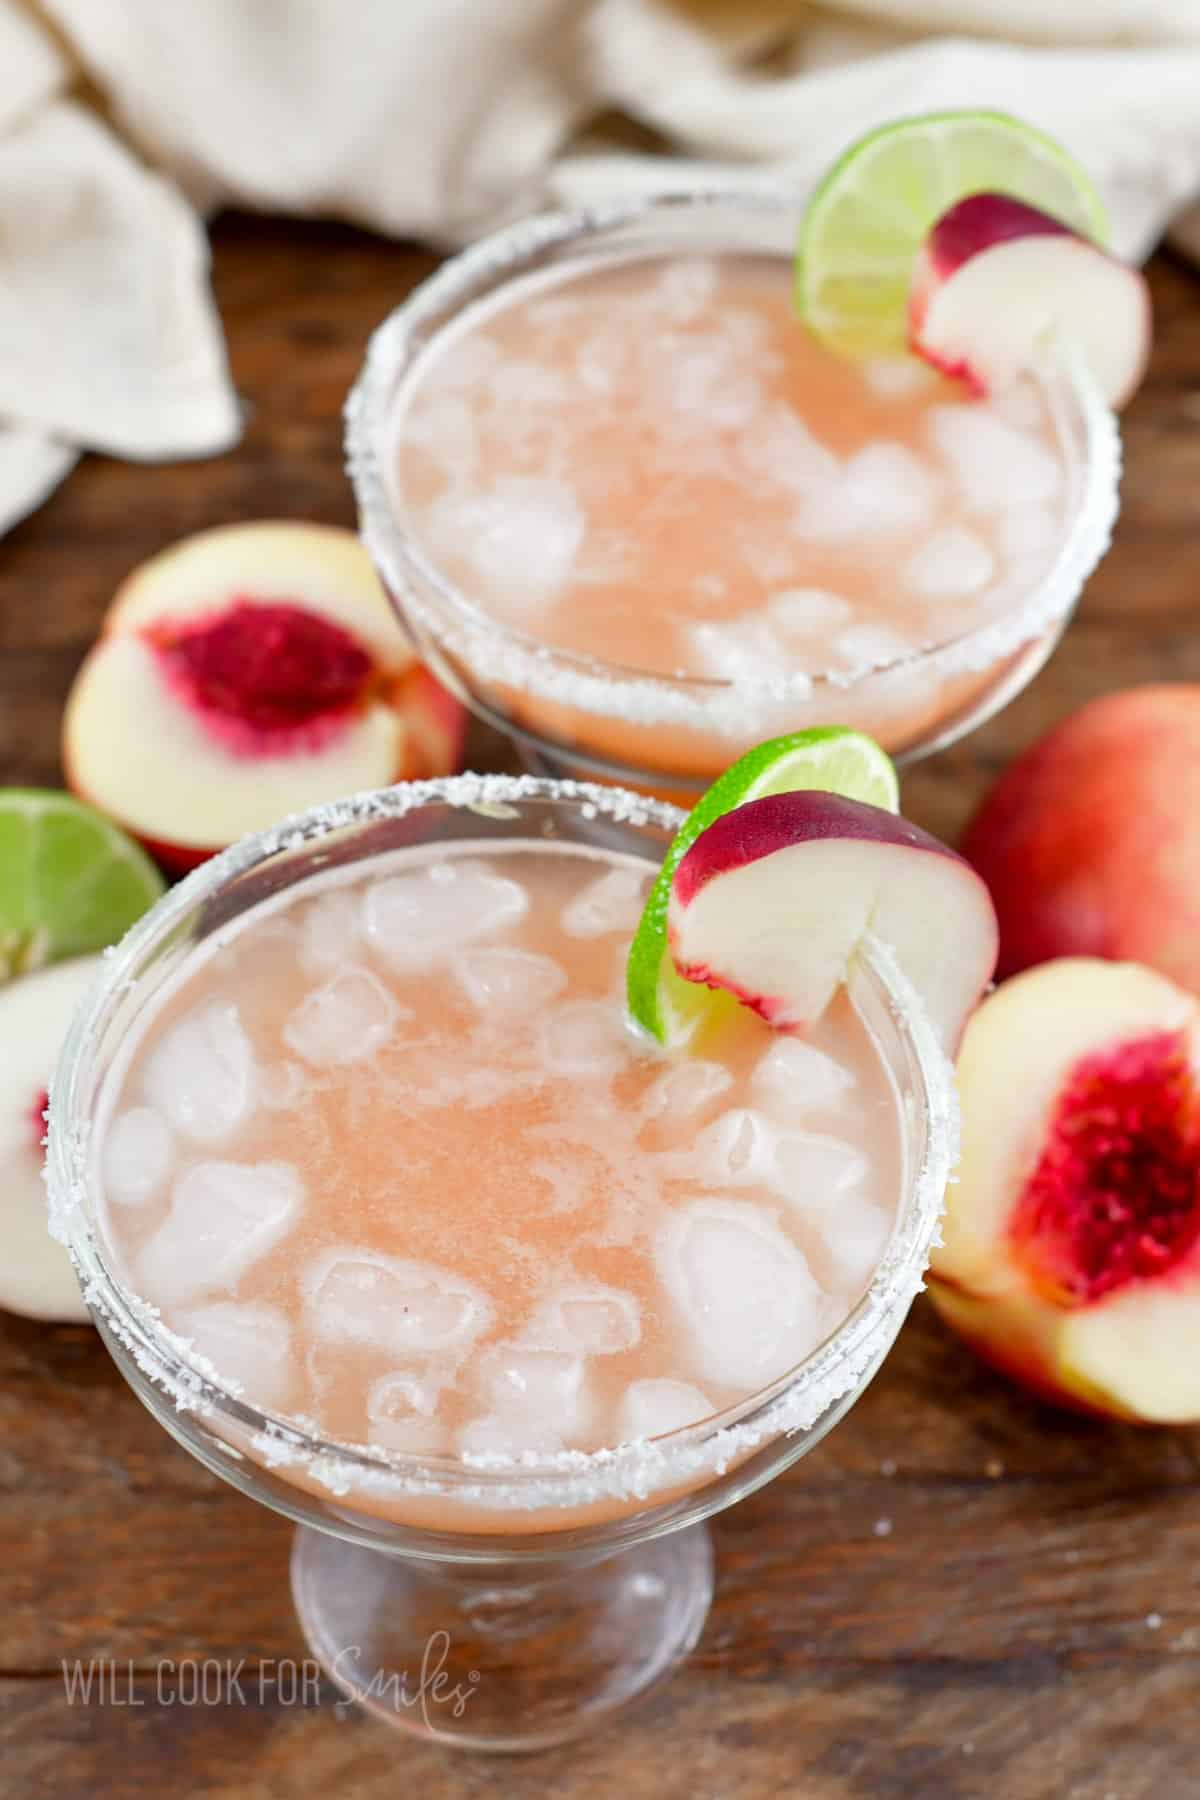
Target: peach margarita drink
[
  {"x": 406, "y": 1153},
  {"x": 410, "y": 1198},
  {"x": 629, "y": 505},
  {"x": 392, "y": 1160}
]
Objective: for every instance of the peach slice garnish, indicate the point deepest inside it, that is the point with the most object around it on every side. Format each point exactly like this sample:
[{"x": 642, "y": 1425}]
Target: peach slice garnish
[
  {"x": 996, "y": 277},
  {"x": 774, "y": 897}
]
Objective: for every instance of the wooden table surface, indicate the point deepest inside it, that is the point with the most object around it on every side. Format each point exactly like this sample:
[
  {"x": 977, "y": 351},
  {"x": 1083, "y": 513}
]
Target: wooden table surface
[{"x": 959, "y": 1594}]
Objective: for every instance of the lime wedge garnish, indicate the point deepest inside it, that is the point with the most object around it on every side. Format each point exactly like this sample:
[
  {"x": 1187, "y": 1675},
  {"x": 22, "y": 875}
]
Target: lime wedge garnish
[
  {"x": 830, "y": 757},
  {"x": 70, "y": 881},
  {"x": 875, "y": 208}
]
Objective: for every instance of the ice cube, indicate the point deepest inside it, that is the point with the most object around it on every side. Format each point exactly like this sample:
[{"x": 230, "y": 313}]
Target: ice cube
[
  {"x": 738, "y": 1149},
  {"x": 738, "y": 650},
  {"x": 742, "y": 1292},
  {"x": 417, "y": 921},
  {"x": 138, "y": 1153},
  {"x": 391, "y": 1304},
  {"x": 748, "y": 332},
  {"x": 798, "y": 1077},
  {"x": 951, "y": 565},
  {"x": 883, "y": 489},
  {"x": 586, "y": 1319},
  {"x": 854, "y": 1233},
  {"x": 280, "y": 1085},
  {"x": 442, "y": 427},
  {"x": 653, "y": 1407},
  {"x": 467, "y": 362},
  {"x": 546, "y": 1388},
  {"x": 510, "y": 1435},
  {"x": 808, "y": 611},
  {"x": 404, "y": 1390},
  {"x": 897, "y": 377},
  {"x": 612, "y": 903},
  {"x": 585, "y": 1037},
  {"x": 864, "y": 647},
  {"x": 812, "y": 1167},
  {"x": 685, "y": 1090},
  {"x": 330, "y": 929},
  {"x": 348, "y": 1020},
  {"x": 994, "y": 464},
  {"x": 401, "y": 1415},
  {"x": 704, "y": 378},
  {"x": 201, "y": 1074},
  {"x": 685, "y": 287},
  {"x": 782, "y": 450},
  {"x": 772, "y": 564},
  {"x": 520, "y": 537},
  {"x": 410, "y": 1435},
  {"x": 520, "y": 387},
  {"x": 1028, "y": 531},
  {"x": 891, "y": 487},
  {"x": 248, "y": 1343},
  {"x": 224, "y": 1217},
  {"x": 601, "y": 359},
  {"x": 508, "y": 983}
]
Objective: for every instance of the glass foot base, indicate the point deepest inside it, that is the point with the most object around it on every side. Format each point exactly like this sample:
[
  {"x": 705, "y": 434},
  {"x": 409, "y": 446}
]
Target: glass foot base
[{"x": 500, "y": 1658}]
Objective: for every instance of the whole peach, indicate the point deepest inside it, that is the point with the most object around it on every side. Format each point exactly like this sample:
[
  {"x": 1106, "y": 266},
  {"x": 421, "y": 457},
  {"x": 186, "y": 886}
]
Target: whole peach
[{"x": 1090, "y": 842}]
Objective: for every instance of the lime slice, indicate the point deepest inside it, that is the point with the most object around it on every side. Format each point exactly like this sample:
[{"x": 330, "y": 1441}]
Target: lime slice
[
  {"x": 70, "y": 882},
  {"x": 830, "y": 757},
  {"x": 874, "y": 209}
]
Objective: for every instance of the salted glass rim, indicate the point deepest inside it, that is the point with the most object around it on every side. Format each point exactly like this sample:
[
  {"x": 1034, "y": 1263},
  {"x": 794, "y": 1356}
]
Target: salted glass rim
[
  {"x": 521, "y": 659},
  {"x": 793, "y": 1402}
]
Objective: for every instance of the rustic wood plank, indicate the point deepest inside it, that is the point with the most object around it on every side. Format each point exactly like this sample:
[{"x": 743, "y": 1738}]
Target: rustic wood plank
[{"x": 1044, "y": 1729}]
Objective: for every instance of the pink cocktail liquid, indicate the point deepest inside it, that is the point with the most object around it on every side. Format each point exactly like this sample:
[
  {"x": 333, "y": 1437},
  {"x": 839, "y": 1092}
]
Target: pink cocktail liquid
[
  {"x": 653, "y": 468},
  {"x": 392, "y": 1159}
]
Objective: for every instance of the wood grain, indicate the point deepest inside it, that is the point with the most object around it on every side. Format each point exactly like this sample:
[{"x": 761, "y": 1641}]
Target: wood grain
[{"x": 959, "y": 1595}]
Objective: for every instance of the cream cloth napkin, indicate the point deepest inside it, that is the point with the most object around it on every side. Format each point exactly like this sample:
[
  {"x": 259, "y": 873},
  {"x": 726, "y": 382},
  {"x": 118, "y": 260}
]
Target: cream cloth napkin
[{"x": 123, "y": 121}]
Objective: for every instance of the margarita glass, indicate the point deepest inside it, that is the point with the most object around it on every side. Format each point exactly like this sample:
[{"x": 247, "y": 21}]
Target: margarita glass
[
  {"x": 634, "y": 516},
  {"x": 498, "y": 1601}
]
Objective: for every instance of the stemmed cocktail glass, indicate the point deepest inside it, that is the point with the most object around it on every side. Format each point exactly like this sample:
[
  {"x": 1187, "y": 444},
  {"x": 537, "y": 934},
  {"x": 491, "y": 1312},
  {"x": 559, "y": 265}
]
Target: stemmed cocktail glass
[
  {"x": 497, "y": 1607},
  {"x": 664, "y": 731}
]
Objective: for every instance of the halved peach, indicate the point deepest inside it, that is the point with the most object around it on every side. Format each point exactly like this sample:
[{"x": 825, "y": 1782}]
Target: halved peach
[
  {"x": 1071, "y": 1253},
  {"x": 36, "y": 1275},
  {"x": 244, "y": 674}
]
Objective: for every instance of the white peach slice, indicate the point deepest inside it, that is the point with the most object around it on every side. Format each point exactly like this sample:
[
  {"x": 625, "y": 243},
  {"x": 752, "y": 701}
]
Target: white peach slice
[
  {"x": 1071, "y": 1252},
  {"x": 774, "y": 897},
  {"x": 36, "y": 1276},
  {"x": 244, "y": 674},
  {"x": 995, "y": 278}
]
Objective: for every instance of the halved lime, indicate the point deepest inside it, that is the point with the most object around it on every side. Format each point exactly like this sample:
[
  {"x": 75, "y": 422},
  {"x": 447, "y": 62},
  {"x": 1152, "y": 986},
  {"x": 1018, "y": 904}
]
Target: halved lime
[
  {"x": 874, "y": 209},
  {"x": 70, "y": 881},
  {"x": 830, "y": 757}
]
